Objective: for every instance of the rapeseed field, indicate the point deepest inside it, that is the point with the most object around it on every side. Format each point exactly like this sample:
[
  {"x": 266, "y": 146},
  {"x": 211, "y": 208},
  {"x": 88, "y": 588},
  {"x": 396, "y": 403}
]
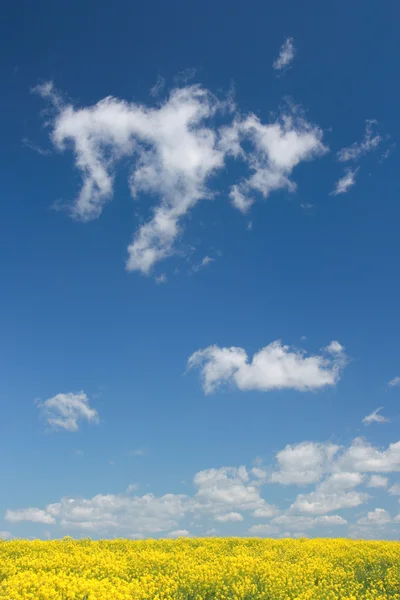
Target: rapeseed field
[{"x": 199, "y": 569}]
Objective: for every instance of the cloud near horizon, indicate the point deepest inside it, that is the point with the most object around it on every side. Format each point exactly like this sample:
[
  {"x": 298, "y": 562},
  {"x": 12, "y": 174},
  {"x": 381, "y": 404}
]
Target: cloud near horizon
[{"x": 234, "y": 497}]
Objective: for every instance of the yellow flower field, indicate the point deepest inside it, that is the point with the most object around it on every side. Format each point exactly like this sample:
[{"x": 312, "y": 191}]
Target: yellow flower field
[{"x": 202, "y": 569}]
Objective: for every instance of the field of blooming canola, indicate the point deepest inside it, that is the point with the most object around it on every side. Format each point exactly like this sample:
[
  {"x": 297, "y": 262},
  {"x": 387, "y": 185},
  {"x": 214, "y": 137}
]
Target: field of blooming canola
[{"x": 201, "y": 569}]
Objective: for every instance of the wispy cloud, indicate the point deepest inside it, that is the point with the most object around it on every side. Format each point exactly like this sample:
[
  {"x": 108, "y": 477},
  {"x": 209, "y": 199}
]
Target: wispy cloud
[
  {"x": 161, "y": 278},
  {"x": 35, "y": 147},
  {"x": 157, "y": 87},
  {"x": 374, "y": 417},
  {"x": 394, "y": 382},
  {"x": 370, "y": 142},
  {"x": 67, "y": 411},
  {"x": 207, "y": 260},
  {"x": 286, "y": 55},
  {"x": 138, "y": 452},
  {"x": 345, "y": 183}
]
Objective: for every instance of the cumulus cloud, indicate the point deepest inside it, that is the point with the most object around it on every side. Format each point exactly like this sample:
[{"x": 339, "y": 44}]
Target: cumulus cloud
[
  {"x": 219, "y": 490},
  {"x": 334, "y": 493},
  {"x": 66, "y": 411},
  {"x": 304, "y": 463},
  {"x": 394, "y": 490},
  {"x": 174, "y": 149},
  {"x": 275, "y": 150},
  {"x": 231, "y": 495},
  {"x": 370, "y": 142},
  {"x": 345, "y": 183},
  {"x": 363, "y": 457},
  {"x": 35, "y": 515},
  {"x": 263, "y": 529},
  {"x": 377, "y": 481},
  {"x": 273, "y": 367},
  {"x": 374, "y": 417},
  {"x": 293, "y": 523},
  {"x": 378, "y": 517},
  {"x": 286, "y": 55},
  {"x": 179, "y": 533},
  {"x": 232, "y": 516}
]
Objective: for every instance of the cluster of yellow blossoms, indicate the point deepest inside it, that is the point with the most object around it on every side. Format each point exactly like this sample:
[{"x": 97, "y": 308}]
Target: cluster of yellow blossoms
[{"x": 199, "y": 569}]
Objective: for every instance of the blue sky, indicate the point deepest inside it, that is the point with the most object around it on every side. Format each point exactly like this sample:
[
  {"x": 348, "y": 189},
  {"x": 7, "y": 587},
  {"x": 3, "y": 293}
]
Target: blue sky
[{"x": 199, "y": 241}]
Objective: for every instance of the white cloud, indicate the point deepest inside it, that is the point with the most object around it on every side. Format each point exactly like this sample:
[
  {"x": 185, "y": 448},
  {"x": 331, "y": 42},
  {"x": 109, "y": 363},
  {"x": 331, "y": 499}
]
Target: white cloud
[
  {"x": 179, "y": 533},
  {"x": 161, "y": 278},
  {"x": 286, "y": 55},
  {"x": 266, "y": 512},
  {"x": 232, "y": 516},
  {"x": 332, "y": 494},
  {"x": 394, "y": 382},
  {"x": 138, "y": 452},
  {"x": 157, "y": 87},
  {"x": 292, "y": 523},
  {"x": 207, "y": 260},
  {"x": 374, "y": 417},
  {"x": 226, "y": 488},
  {"x": 377, "y": 481},
  {"x": 304, "y": 463},
  {"x": 394, "y": 490},
  {"x": 35, "y": 515},
  {"x": 5, "y": 535},
  {"x": 345, "y": 183},
  {"x": 363, "y": 457},
  {"x": 379, "y": 516},
  {"x": 175, "y": 153},
  {"x": 370, "y": 142},
  {"x": 275, "y": 150},
  {"x": 174, "y": 149},
  {"x": 66, "y": 411},
  {"x": 259, "y": 473},
  {"x": 273, "y": 367},
  {"x": 264, "y": 529}
]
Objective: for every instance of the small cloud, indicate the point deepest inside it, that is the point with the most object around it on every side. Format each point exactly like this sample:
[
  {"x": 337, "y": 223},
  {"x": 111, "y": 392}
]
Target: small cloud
[
  {"x": 374, "y": 417},
  {"x": 394, "y": 382},
  {"x": 207, "y": 260},
  {"x": 212, "y": 531},
  {"x": 395, "y": 490},
  {"x": 358, "y": 149},
  {"x": 377, "y": 481},
  {"x": 185, "y": 75},
  {"x": 249, "y": 225},
  {"x": 133, "y": 487},
  {"x": 179, "y": 533},
  {"x": 229, "y": 517},
  {"x": 32, "y": 146},
  {"x": 79, "y": 452},
  {"x": 35, "y": 515},
  {"x": 286, "y": 55},
  {"x": 5, "y": 535},
  {"x": 66, "y": 411},
  {"x": 345, "y": 183},
  {"x": 161, "y": 278},
  {"x": 157, "y": 87},
  {"x": 306, "y": 206},
  {"x": 138, "y": 452}
]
